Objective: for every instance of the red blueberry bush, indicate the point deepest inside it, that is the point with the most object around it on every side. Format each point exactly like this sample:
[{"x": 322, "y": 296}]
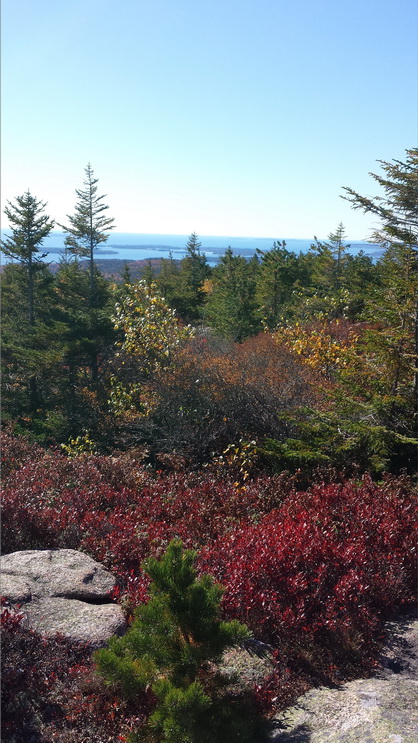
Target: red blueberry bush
[
  {"x": 49, "y": 693},
  {"x": 311, "y": 572},
  {"x": 324, "y": 568}
]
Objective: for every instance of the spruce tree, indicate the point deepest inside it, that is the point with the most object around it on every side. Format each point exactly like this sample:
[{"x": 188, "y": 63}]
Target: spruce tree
[
  {"x": 331, "y": 254},
  {"x": 231, "y": 306},
  {"x": 88, "y": 226},
  {"x": 278, "y": 277},
  {"x": 29, "y": 227},
  {"x": 397, "y": 211},
  {"x": 87, "y": 339},
  {"x": 338, "y": 245},
  {"x": 31, "y": 354},
  {"x": 194, "y": 270},
  {"x": 167, "y": 280}
]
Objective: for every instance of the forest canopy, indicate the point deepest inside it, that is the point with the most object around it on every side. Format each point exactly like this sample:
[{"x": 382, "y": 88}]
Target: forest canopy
[{"x": 313, "y": 355}]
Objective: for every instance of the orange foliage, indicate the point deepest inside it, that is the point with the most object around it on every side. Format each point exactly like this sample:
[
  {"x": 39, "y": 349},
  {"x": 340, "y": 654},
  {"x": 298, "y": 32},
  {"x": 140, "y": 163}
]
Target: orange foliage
[{"x": 219, "y": 392}]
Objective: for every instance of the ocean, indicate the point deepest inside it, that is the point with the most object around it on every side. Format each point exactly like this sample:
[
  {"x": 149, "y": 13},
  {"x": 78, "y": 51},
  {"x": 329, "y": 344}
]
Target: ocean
[{"x": 139, "y": 246}]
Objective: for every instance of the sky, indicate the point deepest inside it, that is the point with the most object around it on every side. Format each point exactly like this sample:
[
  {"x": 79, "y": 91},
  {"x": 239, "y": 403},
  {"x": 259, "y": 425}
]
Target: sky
[{"x": 223, "y": 117}]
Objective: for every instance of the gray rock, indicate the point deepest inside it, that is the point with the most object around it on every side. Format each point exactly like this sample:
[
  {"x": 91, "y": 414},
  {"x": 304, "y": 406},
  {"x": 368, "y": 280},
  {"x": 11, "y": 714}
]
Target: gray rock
[
  {"x": 15, "y": 589},
  {"x": 372, "y": 710},
  {"x": 62, "y": 591},
  {"x": 77, "y": 620},
  {"x": 65, "y": 573},
  {"x": 382, "y": 709}
]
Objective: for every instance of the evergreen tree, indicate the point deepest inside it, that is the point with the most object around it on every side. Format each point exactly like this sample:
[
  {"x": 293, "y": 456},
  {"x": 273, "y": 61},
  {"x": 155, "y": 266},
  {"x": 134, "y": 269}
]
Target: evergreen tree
[
  {"x": 167, "y": 281},
  {"x": 195, "y": 262},
  {"x": 88, "y": 229},
  {"x": 278, "y": 279},
  {"x": 30, "y": 352},
  {"x": 126, "y": 275},
  {"x": 324, "y": 295},
  {"x": 182, "y": 283},
  {"x": 359, "y": 280},
  {"x": 22, "y": 350},
  {"x": 331, "y": 259},
  {"x": 29, "y": 227},
  {"x": 88, "y": 226},
  {"x": 194, "y": 270},
  {"x": 397, "y": 211},
  {"x": 338, "y": 247},
  {"x": 148, "y": 275},
  {"x": 231, "y": 306},
  {"x": 87, "y": 338},
  {"x": 171, "y": 648}
]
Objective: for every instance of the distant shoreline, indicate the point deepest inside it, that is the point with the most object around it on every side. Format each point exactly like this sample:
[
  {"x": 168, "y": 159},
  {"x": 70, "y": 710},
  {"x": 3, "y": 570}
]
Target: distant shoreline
[{"x": 125, "y": 246}]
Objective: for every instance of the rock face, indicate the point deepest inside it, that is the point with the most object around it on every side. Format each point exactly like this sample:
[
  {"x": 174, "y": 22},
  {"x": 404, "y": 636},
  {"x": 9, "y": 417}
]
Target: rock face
[
  {"x": 383, "y": 709},
  {"x": 62, "y": 591}
]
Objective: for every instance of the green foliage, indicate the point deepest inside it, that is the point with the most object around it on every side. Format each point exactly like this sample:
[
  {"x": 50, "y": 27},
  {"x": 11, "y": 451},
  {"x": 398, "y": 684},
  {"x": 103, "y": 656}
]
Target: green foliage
[
  {"x": 231, "y": 306},
  {"x": 171, "y": 648},
  {"x": 29, "y": 353},
  {"x": 194, "y": 270},
  {"x": 397, "y": 300},
  {"x": 279, "y": 277},
  {"x": 151, "y": 335},
  {"x": 29, "y": 228},
  {"x": 182, "y": 283},
  {"x": 351, "y": 436},
  {"x": 88, "y": 226},
  {"x": 68, "y": 367}
]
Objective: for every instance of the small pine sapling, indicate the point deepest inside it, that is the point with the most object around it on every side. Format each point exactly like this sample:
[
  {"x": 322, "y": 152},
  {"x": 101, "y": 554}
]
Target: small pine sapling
[{"x": 172, "y": 649}]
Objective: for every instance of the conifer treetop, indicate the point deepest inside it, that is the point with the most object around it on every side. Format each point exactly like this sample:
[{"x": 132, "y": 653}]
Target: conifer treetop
[
  {"x": 88, "y": 226},
  {"x": 29, "y": 227}
]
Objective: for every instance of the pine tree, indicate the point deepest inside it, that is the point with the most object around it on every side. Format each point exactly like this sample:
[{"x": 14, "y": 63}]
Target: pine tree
[
  {"x": 182, "y": 283},
  {"x": 324, "y": 295},
  {"x": 167, "y": 281},
  {"x": 331, "y": 259},
  {"x": 87, "y": 338},
  {"x": 30, "y": 353},
  {"x": 338, "y": 247},
  {"x": 171, "y": 648},
  {"x": 88, "y": 229},
  {"x": 88, "y": 226}
]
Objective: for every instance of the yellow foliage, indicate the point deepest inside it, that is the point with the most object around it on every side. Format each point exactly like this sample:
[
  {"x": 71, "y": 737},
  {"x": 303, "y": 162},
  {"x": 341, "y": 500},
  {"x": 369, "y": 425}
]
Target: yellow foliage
[
  {"x": 151, "y": 337},
  {"x": 318, "y": 347}
]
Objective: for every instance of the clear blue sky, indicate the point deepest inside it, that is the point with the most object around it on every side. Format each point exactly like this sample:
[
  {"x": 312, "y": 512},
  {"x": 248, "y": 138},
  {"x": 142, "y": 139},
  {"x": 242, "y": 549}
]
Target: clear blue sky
[{"x": 224, "y": 117}]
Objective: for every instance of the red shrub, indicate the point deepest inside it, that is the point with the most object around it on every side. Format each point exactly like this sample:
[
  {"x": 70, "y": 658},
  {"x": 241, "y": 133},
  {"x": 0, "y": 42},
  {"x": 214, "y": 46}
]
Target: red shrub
[
  {"x": 311, "y": 572},
  {"x": 49, "y": 691},
  {"x": 325, "y": 567}
]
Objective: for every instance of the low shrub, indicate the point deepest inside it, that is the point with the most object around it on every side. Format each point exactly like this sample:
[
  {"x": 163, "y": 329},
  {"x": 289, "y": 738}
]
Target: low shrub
[
  {"x": 49, "y": 691},
  {"x": 324, "y": 569},
  {"x": 312, "y": 572}
]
